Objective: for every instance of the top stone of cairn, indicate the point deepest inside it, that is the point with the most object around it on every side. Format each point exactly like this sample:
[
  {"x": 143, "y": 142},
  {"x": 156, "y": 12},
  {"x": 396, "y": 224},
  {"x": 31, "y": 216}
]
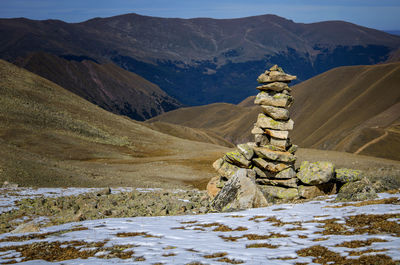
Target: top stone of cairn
[{"x": 275, "y": 74}]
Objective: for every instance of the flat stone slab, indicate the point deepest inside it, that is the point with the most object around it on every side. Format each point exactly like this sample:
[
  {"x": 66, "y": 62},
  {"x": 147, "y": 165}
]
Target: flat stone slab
[
  {"x": 277, "y": 134},
  {"x": 273, "y": 99},
  {"x": 286, "y": 174},
  {"x": 236, "y": 158},
  {"x": 263, "y": 152},
  {"x": 275, "y": 86},
  {"x": 276, "y": 113},
  {"x": 275, "y": 76},
  {"x": 290, "y": 183},
  {"x": 281, "y": 143},
  {"x": 270, "y": 166},
  {"x": 268, "y": 123}
]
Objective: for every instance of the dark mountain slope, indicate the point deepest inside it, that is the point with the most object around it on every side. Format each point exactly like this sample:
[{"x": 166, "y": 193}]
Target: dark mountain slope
[
  {"x": 105, "y": 85},
  {"x": 199, "y": 61}
]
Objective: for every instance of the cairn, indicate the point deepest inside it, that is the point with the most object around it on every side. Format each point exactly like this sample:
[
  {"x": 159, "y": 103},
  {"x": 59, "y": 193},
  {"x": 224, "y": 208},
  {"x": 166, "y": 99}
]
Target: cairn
[{"x": 269, "y": 160}]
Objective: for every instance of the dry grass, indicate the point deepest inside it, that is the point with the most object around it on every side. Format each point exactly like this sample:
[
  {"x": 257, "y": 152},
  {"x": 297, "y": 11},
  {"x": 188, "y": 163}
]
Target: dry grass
[
  {"x": 369, "y": 202},
  {"x": 134, "y": 234},
  {"x": 216, "y": 255},
  {"x": 51, "y": 137},
  {"x": 261, "y": 245},
  {"x": 360, "y": 243},
  {"x": 59, "y": 251},
  {"x": 323, "y": 255}
]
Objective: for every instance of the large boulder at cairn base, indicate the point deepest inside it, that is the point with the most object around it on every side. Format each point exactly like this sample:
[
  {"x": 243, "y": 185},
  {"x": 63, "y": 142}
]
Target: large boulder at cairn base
[
  {"x": 357, "y": 191},
  {"x": 345, "y": 175},
  {"x": 239, "y": 192},
  {"x": 316, "y": 173}
]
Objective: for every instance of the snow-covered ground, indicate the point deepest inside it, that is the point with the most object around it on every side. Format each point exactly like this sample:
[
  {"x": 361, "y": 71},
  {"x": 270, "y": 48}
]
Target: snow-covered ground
[{"x": 281, "y": 230}]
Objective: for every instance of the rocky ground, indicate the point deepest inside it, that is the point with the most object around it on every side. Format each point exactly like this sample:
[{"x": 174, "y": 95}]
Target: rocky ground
[{"x": 29, "y": 213}]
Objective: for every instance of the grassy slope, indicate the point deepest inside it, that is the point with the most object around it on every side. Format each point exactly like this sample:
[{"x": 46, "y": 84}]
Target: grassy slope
[
  {"x": 347, "y": 107},
  {"x": 343, "y": 109},
  {"x": 51, "y": 137},
  {"x": 232, "y": 122}
]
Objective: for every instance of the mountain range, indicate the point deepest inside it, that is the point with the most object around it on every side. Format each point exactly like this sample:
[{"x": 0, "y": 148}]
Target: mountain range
[{"x": 197, "y": 61}]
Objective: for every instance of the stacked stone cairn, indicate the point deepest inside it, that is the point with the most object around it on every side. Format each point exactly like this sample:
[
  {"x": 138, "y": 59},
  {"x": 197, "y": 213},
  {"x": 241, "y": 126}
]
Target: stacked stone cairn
[{"x": 269, "y": 160}]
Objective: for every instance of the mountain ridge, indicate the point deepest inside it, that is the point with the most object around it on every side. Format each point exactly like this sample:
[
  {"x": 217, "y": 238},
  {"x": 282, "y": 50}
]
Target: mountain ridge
[{"x": 202, "y": 60}]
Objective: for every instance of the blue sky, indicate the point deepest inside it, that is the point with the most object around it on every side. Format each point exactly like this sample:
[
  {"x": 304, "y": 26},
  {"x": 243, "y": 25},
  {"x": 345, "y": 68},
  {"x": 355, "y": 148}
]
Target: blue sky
[{"x": 379, "y": 14}]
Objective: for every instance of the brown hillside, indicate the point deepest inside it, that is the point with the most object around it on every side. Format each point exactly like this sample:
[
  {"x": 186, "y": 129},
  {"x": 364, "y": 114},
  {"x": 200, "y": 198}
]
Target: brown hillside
[
  {"x": 232, "y": 122},
  {"x": 347, "y": 107},
  {"x": 354, "y": 109},
  {"x": 106, "y": 85},
  {"x": 51, "y": 137}
]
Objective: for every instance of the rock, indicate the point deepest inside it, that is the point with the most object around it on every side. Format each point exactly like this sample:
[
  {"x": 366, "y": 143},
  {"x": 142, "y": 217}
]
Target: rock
[
  {"x": 279, "y": 192},
  {"x": 236, "y": 158},
  {"x": 316, "y": 173},
  {"x": 357, "y": 191},
  {"x": 26, "y": 228},
  {"x": 246, "y": 151},
  {"x": 293, "y": 148},
  {"x": 281, "y": 143},
  {"x": 291, "y": 183},
  {"x": 264, "y": 152},
  {"x": 275, "y": 67},
  {"x": 277, "y": 134},
  {"x": 9, "y": 185},
  {"x": 257, "y": 130},
  {"x": 227, "y": 170},
  {"x": 251, "y": 173},
  {"x": 309, "y": 192},
  {"x": 273, "y": 167},
  {"x": 275, "y": 76},
  {"x": 345, "y": 175},
  {"x": 240, "y": 192},
  {"x": 260, "y": 173},
  {"x": 286, "y": 174},
  {"x": 212, "y": 187},
  {"x": 261, "y": 139},
  {"x": 275, "y": 112},
  {"x": 273, "y": 99},
  {"x": 269, "y": 123},
  {"x": 218, "y": 163},
  {"x": 387, "y": 182},
  {"x": 275, "y": 86}
]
